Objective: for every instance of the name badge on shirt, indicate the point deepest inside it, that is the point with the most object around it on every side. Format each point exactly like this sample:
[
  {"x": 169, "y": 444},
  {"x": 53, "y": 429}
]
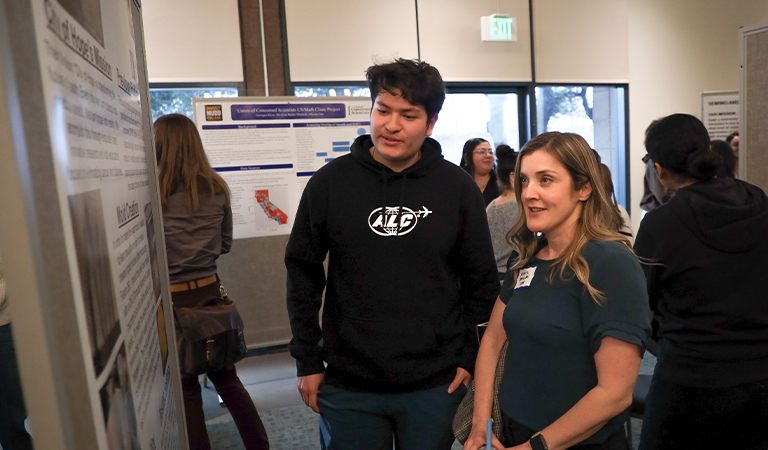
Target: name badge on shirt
[{"x": 525, "y": 277}]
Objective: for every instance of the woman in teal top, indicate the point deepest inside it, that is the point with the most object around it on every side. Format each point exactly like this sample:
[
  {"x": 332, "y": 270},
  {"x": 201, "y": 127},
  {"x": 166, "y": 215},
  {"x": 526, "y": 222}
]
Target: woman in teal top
[{"x": 573, "y": 307}]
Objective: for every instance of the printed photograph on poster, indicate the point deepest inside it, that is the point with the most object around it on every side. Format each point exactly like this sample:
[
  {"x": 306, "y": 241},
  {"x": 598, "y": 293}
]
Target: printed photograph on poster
[
  {"x": 95, "y": 270},
  {"x": 118, "y": 407},
  {"x": 88, "y": 14},
  {"x": 154, "y": 265},
  {"x": 162, "y": 334}
]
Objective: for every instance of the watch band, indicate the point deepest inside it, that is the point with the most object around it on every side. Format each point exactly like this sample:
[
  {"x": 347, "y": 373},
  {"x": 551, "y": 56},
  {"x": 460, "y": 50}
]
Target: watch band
[{"x": 537, "y": 442}]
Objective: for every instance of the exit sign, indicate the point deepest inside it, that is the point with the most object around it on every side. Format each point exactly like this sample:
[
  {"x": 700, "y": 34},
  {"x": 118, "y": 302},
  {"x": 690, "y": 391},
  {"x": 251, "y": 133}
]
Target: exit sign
[{"x": 498, "y": 28}]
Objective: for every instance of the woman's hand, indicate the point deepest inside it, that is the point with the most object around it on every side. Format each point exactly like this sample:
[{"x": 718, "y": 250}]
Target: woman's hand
[{"x": 477, "y": 438}]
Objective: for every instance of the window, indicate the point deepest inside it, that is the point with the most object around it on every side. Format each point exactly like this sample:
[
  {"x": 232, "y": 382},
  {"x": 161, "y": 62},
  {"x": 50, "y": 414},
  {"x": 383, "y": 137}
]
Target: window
[
  {"x": 493, "y": 117},
  {"x": 331, "y": 91},
  {"x": 597, "y": 113},
  {"x": 169, "y": 99}
]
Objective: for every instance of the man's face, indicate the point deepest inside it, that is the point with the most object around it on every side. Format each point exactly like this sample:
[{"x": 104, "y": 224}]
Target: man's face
[{"x": 398, "y": 129}]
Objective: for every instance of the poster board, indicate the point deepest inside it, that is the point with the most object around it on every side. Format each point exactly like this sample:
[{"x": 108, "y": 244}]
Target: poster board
[
  {"x": 753, "y": 137},
  {"x": 266, "y": 149},
  {"x": 86, "y": 271},
  {"x": 720, "y": 113}
]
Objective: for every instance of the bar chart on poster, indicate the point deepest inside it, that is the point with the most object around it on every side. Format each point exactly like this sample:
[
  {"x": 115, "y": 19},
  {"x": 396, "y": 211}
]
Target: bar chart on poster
[{"x": 267, "y": 148}]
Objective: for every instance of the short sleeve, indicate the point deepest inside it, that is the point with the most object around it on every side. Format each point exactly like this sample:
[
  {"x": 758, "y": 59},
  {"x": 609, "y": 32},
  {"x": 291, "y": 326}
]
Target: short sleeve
[{"x": 623, "y": 313}]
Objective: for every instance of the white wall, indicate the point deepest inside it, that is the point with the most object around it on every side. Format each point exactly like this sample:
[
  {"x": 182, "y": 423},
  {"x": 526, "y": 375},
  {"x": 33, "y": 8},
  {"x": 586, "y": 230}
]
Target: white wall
[
  {"x": 336, "y": 40},
  {"x": 679, "y": 49},
  {"x": 449, "y": 36},
  {"x": 192, "y": 41},
  {"x": 581, "y": 41}
]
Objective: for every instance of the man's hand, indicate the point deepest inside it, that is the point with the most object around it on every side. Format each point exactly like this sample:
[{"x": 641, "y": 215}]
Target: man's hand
[
  {"x": 462, "y": 376},
  {"x": 308, "y": 385}
]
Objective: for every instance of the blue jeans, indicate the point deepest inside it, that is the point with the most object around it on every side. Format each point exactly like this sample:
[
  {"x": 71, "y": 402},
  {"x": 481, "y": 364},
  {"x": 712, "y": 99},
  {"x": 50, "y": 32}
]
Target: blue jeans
[
  {"x": 684, "y": 417},
  {"x": 13, "y": 435},
  {"x": 363, "y": 421}
]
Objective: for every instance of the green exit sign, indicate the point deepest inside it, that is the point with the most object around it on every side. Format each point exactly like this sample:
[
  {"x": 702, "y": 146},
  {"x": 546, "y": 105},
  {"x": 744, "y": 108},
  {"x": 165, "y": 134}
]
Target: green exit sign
[{"x": 498, "y": 28}]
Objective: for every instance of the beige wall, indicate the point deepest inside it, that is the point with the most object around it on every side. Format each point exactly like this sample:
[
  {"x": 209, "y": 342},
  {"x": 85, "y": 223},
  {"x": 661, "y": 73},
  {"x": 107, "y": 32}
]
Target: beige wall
[
  {"x": 581, "y": 41},
  {"x": 336, "y": 40},
  {"x": 677, "y": 50},
  {"x": 192, "y": 41},
  {"x": 449, "y": 37}
]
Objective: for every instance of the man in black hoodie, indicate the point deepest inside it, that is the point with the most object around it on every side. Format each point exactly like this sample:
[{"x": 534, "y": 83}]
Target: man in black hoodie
[{"x": 411, "y": 272}]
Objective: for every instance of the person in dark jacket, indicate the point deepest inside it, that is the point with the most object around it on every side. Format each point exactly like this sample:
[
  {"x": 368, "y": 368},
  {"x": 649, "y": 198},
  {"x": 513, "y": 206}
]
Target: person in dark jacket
[
  {"x": 411, "y": 272},
  {"x": 708, "y": 248}
]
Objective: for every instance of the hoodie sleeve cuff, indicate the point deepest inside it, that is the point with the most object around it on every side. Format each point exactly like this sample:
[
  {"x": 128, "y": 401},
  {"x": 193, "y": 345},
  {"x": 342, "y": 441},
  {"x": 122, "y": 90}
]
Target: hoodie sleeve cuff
[{"x": 304, "y": 368}]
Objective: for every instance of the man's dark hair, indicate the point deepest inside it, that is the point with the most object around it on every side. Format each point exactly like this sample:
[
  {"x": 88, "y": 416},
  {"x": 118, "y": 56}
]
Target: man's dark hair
[{"x": 416, "y": 81}]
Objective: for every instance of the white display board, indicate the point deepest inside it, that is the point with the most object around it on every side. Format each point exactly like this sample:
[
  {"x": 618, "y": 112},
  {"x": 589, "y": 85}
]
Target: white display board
[
  {"x": 97, "y": 120},
  {"x": 720, "y": 113},
  {"x": 267, "y": 148}
]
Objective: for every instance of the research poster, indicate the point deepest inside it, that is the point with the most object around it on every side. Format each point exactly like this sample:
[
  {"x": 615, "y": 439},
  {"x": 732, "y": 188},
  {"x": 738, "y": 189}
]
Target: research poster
[
  {"x": 87, "y": 55},
  {"x": 720, "y": 113},
  {"x": 267, "y": 148}
]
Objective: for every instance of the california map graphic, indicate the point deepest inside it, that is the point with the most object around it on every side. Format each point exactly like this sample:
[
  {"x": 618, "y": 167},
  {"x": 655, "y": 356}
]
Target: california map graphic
[{"x": 272, "y": 211}]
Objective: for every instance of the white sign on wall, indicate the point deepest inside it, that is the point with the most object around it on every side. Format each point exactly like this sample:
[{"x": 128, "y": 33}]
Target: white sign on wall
[{"x": 720, "y": 113}]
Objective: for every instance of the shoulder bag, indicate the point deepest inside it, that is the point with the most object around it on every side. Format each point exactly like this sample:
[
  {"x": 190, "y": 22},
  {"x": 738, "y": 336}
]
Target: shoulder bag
[
  {"x": 209, "y": 336},
  {"x": 462, "y": 421}
]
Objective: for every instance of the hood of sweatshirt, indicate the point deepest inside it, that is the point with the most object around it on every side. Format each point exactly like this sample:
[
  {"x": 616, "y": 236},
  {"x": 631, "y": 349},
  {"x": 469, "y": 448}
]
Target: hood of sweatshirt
[
  {"x": 728, "y": 215},
  {"x": 431, "y": 157}
]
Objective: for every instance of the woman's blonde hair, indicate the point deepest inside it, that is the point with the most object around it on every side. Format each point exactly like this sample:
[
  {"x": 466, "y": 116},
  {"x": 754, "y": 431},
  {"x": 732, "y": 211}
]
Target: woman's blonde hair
[
  {"x": 182, "y": 162},
  {"x": 598, "y": 221}
]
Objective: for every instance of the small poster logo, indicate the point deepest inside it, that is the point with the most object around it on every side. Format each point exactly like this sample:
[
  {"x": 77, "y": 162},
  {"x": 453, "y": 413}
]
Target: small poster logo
[
  {"x": 213, "y": 112},
  {"x": 357, "y": 110}
]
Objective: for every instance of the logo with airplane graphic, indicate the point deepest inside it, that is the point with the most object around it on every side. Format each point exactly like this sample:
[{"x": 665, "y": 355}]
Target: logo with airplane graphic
[{"x": 393, "y": 222}]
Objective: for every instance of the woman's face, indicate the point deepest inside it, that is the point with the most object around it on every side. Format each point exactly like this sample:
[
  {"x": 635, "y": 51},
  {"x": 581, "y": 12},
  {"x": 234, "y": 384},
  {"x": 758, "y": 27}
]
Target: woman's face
[
  {"x": 735, "y": 145},
  {"x": 483, "y": 159},
  {"x": 550, "y": 203}
]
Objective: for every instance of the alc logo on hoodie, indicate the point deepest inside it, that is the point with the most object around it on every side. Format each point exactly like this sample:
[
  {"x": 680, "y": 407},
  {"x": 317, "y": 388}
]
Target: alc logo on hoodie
[{"x": 388, "y": 223}]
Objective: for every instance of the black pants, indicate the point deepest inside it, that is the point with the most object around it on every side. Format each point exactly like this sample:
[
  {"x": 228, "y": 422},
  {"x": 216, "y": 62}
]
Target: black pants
[
  {"x": 227, "y": 384},
  {"x": 684, "y": 417},
  {"x": 516, "y": 434},
  {"x": 13, "y": 435}
]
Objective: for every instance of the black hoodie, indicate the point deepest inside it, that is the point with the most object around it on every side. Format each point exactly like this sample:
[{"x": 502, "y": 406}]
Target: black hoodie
[
  {"x": 401, "y": 302},
  {"x": 708, "y": 292}
]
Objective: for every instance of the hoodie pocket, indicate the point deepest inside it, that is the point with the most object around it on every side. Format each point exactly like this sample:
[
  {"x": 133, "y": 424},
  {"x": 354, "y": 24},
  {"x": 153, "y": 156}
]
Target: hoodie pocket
[{"x": 385, "y": 346}]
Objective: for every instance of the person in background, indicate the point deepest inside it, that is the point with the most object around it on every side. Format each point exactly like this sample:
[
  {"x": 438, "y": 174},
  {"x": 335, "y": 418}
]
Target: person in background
[
  {"x": 733, "y": 141},
  {"x": 728, "y": 167},
  {"x": 572, "y": 308},
  {"x": 709, "y": 251},
  {"x": 654, "y": 193},
  {"x": 410, "y": 276},
  {"x": 503, "y": 211},
  {"x": 197, "y": 218},
  {"x": 13, "y": 435},
  {"x": 477, "y": 159},
  {"x": 626, "y": 222}
]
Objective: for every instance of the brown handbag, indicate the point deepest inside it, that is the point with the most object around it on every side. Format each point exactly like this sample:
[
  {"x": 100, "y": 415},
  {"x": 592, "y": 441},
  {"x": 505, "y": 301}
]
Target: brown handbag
[
  {"x": 209, "y": 336},
  {"x": 462, "y": 421}
]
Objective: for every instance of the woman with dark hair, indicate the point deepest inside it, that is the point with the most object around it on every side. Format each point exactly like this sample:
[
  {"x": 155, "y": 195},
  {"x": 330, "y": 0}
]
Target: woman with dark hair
[
  {"x": 502, "y": 211},
  {"x": 708, "y": 248},
  {"x": 197, "y": 218},
  {"x": 728, "y": 167},
  {"x": 477, "y": 159},
  {"x": 572, "y": 309},
  {"x": 625, "y": 227}
]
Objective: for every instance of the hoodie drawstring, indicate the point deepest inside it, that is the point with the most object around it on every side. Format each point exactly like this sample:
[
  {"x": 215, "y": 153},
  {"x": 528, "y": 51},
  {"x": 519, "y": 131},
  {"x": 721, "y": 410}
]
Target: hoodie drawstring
[{"x": 400, "y": 208}]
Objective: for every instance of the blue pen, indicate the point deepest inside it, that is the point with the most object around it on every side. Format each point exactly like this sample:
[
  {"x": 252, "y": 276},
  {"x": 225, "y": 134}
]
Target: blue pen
[{"x": 488, "y": 435}]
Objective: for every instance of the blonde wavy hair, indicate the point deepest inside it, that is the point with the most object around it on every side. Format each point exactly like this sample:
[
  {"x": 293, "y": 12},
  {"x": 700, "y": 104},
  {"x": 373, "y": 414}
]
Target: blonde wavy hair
[{"x": 599, "y": 218}]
